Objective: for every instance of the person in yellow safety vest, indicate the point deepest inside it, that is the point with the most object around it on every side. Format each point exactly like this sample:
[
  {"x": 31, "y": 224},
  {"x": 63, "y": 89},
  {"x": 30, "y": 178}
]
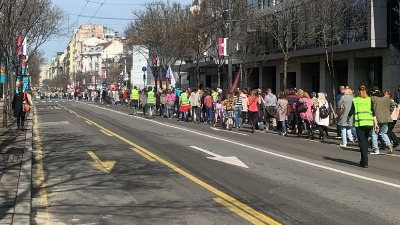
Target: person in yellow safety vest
[
  {"x": 184, "y": 105},
  {"x": 134, "y": 103},
  {"x": 214, "y": 94},
  {"x": 151, "y": 100},
  {"x": 363, "y": 121}
]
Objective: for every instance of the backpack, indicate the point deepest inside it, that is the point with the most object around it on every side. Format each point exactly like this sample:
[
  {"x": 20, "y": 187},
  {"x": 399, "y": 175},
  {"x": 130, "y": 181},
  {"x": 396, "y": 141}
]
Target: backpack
[
  {"x": 323, "y": 112},
  {"x": 230, "y": 106},
  {"x": 301, "y": 106}
]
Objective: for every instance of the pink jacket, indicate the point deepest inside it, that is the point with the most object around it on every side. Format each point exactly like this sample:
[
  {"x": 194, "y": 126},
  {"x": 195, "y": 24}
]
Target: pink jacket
[
  {"x": 170, "y": 97},
  {"x": 308, "y": 115}
]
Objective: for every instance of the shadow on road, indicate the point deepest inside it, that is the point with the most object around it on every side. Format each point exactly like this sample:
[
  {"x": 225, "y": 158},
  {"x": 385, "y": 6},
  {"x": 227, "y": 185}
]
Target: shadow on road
[{"x": 341, "y": 161}]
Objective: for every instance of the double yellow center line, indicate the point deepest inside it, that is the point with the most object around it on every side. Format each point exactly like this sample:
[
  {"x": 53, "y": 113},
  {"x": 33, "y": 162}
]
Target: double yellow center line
[{"x": 241, "y": 209}]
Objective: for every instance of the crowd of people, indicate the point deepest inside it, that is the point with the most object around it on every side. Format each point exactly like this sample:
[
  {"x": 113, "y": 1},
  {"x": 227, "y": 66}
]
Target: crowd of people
[{"x": 358, "y": 116}]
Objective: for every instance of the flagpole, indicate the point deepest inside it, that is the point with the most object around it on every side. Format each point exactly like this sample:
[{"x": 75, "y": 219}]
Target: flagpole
[
  {"x": 167, "y": 83},
  {"x": 241, "y": 76}
]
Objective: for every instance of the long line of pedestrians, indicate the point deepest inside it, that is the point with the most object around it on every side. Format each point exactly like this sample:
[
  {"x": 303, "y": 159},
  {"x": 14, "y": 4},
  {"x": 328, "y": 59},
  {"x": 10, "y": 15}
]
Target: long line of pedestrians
[
  {"x": 365, "y": 118},
  {"x": 292, "y": 111}
]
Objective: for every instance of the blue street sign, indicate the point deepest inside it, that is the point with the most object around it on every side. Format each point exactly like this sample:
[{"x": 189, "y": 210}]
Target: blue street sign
[{"x": 144, "y": 69}]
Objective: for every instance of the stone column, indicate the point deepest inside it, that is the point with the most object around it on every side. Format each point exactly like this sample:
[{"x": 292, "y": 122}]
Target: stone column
[
  {"x": 278, "y": 80},
  {"x": 351, "y": 82},
  {"x": 260, "y": 73},
  {"x": 322, "y": 74}
]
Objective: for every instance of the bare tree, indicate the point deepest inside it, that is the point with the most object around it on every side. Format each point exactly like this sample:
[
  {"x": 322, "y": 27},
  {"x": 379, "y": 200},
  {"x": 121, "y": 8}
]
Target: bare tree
[
  {"x": 36, "y": 20},
  {"x": 248, "y": 45},
  {"x": 284, "y": 24},
  {"x": 338, "y": 22},
  {"x": 36, "y": 60},
  {"x": 160, "y": 29},
  {"x": 397, "y": 9}
]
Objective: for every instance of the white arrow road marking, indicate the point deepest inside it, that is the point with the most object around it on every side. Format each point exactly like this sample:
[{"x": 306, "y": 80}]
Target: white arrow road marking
[
  {"x": 233, "y": 160},
  {"x": 214, "y": 128},
  {"x": 269, "y": 152}
]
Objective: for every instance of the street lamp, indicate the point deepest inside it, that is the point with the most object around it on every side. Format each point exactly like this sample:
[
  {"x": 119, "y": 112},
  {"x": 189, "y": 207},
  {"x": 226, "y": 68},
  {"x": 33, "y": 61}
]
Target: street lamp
[{"x": 229, "y": 45}]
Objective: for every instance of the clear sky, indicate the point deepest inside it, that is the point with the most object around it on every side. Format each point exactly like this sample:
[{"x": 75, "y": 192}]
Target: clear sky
[{"x": 94, "y": 8}]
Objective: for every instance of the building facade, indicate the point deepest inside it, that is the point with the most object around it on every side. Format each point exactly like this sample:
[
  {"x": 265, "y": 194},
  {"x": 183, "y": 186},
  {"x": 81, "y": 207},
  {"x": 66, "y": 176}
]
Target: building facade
[
  {"x": 370, "y": 57},
  {"x": 92, "y": 50}
]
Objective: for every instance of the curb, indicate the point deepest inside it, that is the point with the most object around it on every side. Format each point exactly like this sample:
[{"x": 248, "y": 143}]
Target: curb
[{"x": 23, "y": 204}]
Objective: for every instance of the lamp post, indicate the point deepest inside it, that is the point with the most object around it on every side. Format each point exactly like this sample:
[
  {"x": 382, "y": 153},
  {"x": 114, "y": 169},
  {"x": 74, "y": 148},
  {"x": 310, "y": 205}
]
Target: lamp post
[
  {"x": 144, "y": 79},
  {"x": 230, "y": 42},
  {"x": 126, "y": 80}
]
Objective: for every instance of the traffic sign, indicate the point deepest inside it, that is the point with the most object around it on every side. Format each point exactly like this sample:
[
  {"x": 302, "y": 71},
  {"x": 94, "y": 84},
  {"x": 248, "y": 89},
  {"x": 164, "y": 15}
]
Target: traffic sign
[{"x": 144, "y": 69}]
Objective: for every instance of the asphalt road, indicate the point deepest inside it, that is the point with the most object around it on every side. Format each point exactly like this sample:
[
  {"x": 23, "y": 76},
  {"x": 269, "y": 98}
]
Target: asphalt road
[{"x": 101, "y": 165}]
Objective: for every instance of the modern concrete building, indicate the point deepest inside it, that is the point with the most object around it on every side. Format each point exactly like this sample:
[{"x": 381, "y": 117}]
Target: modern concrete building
[{"x": 370, "y": 57}]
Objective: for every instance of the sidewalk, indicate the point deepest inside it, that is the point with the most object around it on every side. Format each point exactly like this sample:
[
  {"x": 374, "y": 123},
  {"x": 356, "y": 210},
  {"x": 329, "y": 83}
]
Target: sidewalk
[{"x": 15, "y": 174}]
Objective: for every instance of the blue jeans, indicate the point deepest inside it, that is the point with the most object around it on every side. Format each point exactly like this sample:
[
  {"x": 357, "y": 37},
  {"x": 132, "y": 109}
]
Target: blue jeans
[
  {"x": 282, "y": 126},
  {"x": 163, "y": 110},
  {"x": 346, "y": 133},
  {"x": 383, "y": 129},
  {"x": 150, "y": 109},
  {"x": 238, "y": 116},
  {"x": 170, "y": 112},
  {"x": 176, "y": 108},
  {"x": 208, "y": 114}
]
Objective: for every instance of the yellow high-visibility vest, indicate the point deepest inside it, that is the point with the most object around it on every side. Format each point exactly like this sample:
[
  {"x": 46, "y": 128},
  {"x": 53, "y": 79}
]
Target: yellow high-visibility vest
[
  {"x": 363, "y": 114},
  {"x": 134, "y": 94}
]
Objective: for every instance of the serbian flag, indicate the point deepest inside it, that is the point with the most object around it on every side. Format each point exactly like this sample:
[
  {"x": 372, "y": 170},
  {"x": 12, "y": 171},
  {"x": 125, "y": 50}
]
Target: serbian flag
[
  {"x": 24, "y": 46},
  {"x": 156, "y": 60},
  {"x": 93, "y": 79},
  {"x": 235, "y": 84},
  {"x": 21, "y": 45},
  {"x": 223, "y": 46},
  {"x": 23, "y": 61},
  {"x": 20, "y": 40}
]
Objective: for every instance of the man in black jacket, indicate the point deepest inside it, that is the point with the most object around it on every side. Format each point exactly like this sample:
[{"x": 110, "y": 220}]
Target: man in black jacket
[{"x": 17, "y": 104}]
